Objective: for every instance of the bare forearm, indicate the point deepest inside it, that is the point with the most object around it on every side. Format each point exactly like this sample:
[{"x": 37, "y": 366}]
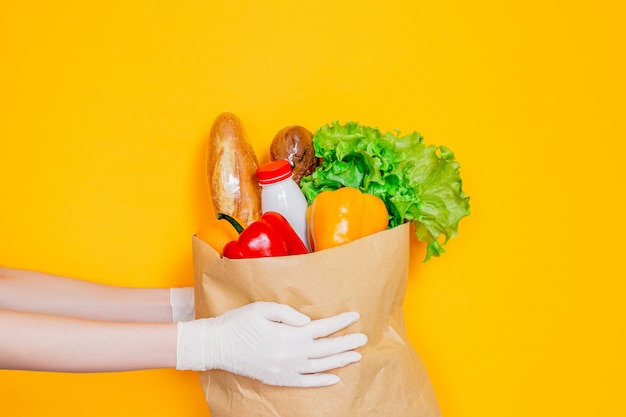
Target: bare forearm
[
  {"x": 22, "y": 290},
  {"x": 61, "y": 344}
]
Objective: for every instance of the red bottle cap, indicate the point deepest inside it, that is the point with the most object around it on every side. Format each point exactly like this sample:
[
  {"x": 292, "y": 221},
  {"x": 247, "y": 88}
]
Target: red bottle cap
[{"x": 274, "y": 172}]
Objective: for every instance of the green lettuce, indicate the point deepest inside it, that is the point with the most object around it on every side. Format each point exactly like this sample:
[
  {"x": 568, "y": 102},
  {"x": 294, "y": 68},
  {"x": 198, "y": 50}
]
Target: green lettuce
[{"x": 419, "y": 183}]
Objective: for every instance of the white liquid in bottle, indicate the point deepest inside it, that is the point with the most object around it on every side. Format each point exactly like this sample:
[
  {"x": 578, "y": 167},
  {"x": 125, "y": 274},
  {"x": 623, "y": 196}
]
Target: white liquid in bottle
[{"x": 280, "y": 193}]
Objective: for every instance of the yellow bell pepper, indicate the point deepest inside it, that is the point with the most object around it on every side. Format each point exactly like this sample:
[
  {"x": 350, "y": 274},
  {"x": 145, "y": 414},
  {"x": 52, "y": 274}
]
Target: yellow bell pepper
[
  {"x": 344, "y": 215},
  {"x": 217, "y": 232}
]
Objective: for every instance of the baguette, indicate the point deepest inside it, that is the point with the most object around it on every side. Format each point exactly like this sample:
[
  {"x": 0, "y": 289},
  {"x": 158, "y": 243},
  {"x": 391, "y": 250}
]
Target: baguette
[{"x": 231, "y": 170}]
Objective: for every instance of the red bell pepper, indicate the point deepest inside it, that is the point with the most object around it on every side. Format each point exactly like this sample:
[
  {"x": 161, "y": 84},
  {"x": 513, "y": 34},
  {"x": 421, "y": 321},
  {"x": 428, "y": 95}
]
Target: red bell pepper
[{"x": 270, "y": 235}]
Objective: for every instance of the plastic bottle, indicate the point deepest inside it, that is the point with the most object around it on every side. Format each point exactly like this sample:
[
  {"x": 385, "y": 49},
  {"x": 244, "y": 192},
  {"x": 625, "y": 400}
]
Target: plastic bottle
[{"x": 280, "y": 193}]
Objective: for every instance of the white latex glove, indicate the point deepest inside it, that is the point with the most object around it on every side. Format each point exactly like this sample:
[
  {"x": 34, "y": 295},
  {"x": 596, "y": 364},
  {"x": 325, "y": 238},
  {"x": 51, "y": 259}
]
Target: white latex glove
[
  {"x": 183, "y": 304},
  {"x": 270, "y": 342}
]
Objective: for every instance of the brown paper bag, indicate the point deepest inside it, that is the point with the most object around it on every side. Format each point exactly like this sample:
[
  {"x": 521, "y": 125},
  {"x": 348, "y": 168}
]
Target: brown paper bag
[{"x": 369, "y": 276}]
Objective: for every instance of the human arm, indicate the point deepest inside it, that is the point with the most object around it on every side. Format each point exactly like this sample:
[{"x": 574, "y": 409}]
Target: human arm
[
  {"x": 266, "y": 341},
  {"x": 40, "y": 342},
  {"x": 39, "y": 292}
]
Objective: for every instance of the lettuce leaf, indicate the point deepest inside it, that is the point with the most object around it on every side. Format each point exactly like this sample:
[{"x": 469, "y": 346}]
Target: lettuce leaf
[{"x": 419, "y": 183}]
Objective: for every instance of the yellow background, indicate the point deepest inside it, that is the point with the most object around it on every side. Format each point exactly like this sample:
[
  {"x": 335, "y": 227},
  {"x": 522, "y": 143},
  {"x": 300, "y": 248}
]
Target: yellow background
[{"x": 104, "y": 113}]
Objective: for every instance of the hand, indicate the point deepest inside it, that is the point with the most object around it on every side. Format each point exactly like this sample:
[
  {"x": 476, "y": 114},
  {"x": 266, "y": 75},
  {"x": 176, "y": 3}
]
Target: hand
[{"x": 270, "y": 342}]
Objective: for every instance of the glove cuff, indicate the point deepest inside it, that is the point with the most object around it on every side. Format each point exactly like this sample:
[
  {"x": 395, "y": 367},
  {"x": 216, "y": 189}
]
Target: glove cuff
[
  {"x": 182, "y": 301},
  {"x": 190, "y": 349}
]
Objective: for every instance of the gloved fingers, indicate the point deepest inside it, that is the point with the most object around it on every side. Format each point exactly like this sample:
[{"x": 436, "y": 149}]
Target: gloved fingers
[
  {"x": 327, "y": 363},
  {"x": 334, "y": 345},
  {"x": 316, "y": 380},
  {"x": 282, "y": 313},
  {"x": 327, "y": 326}
]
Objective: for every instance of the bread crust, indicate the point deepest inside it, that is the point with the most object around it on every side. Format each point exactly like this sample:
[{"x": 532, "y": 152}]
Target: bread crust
[
  {"x": 295, "y": 144},
  {"x": 231, "y": 170}
]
